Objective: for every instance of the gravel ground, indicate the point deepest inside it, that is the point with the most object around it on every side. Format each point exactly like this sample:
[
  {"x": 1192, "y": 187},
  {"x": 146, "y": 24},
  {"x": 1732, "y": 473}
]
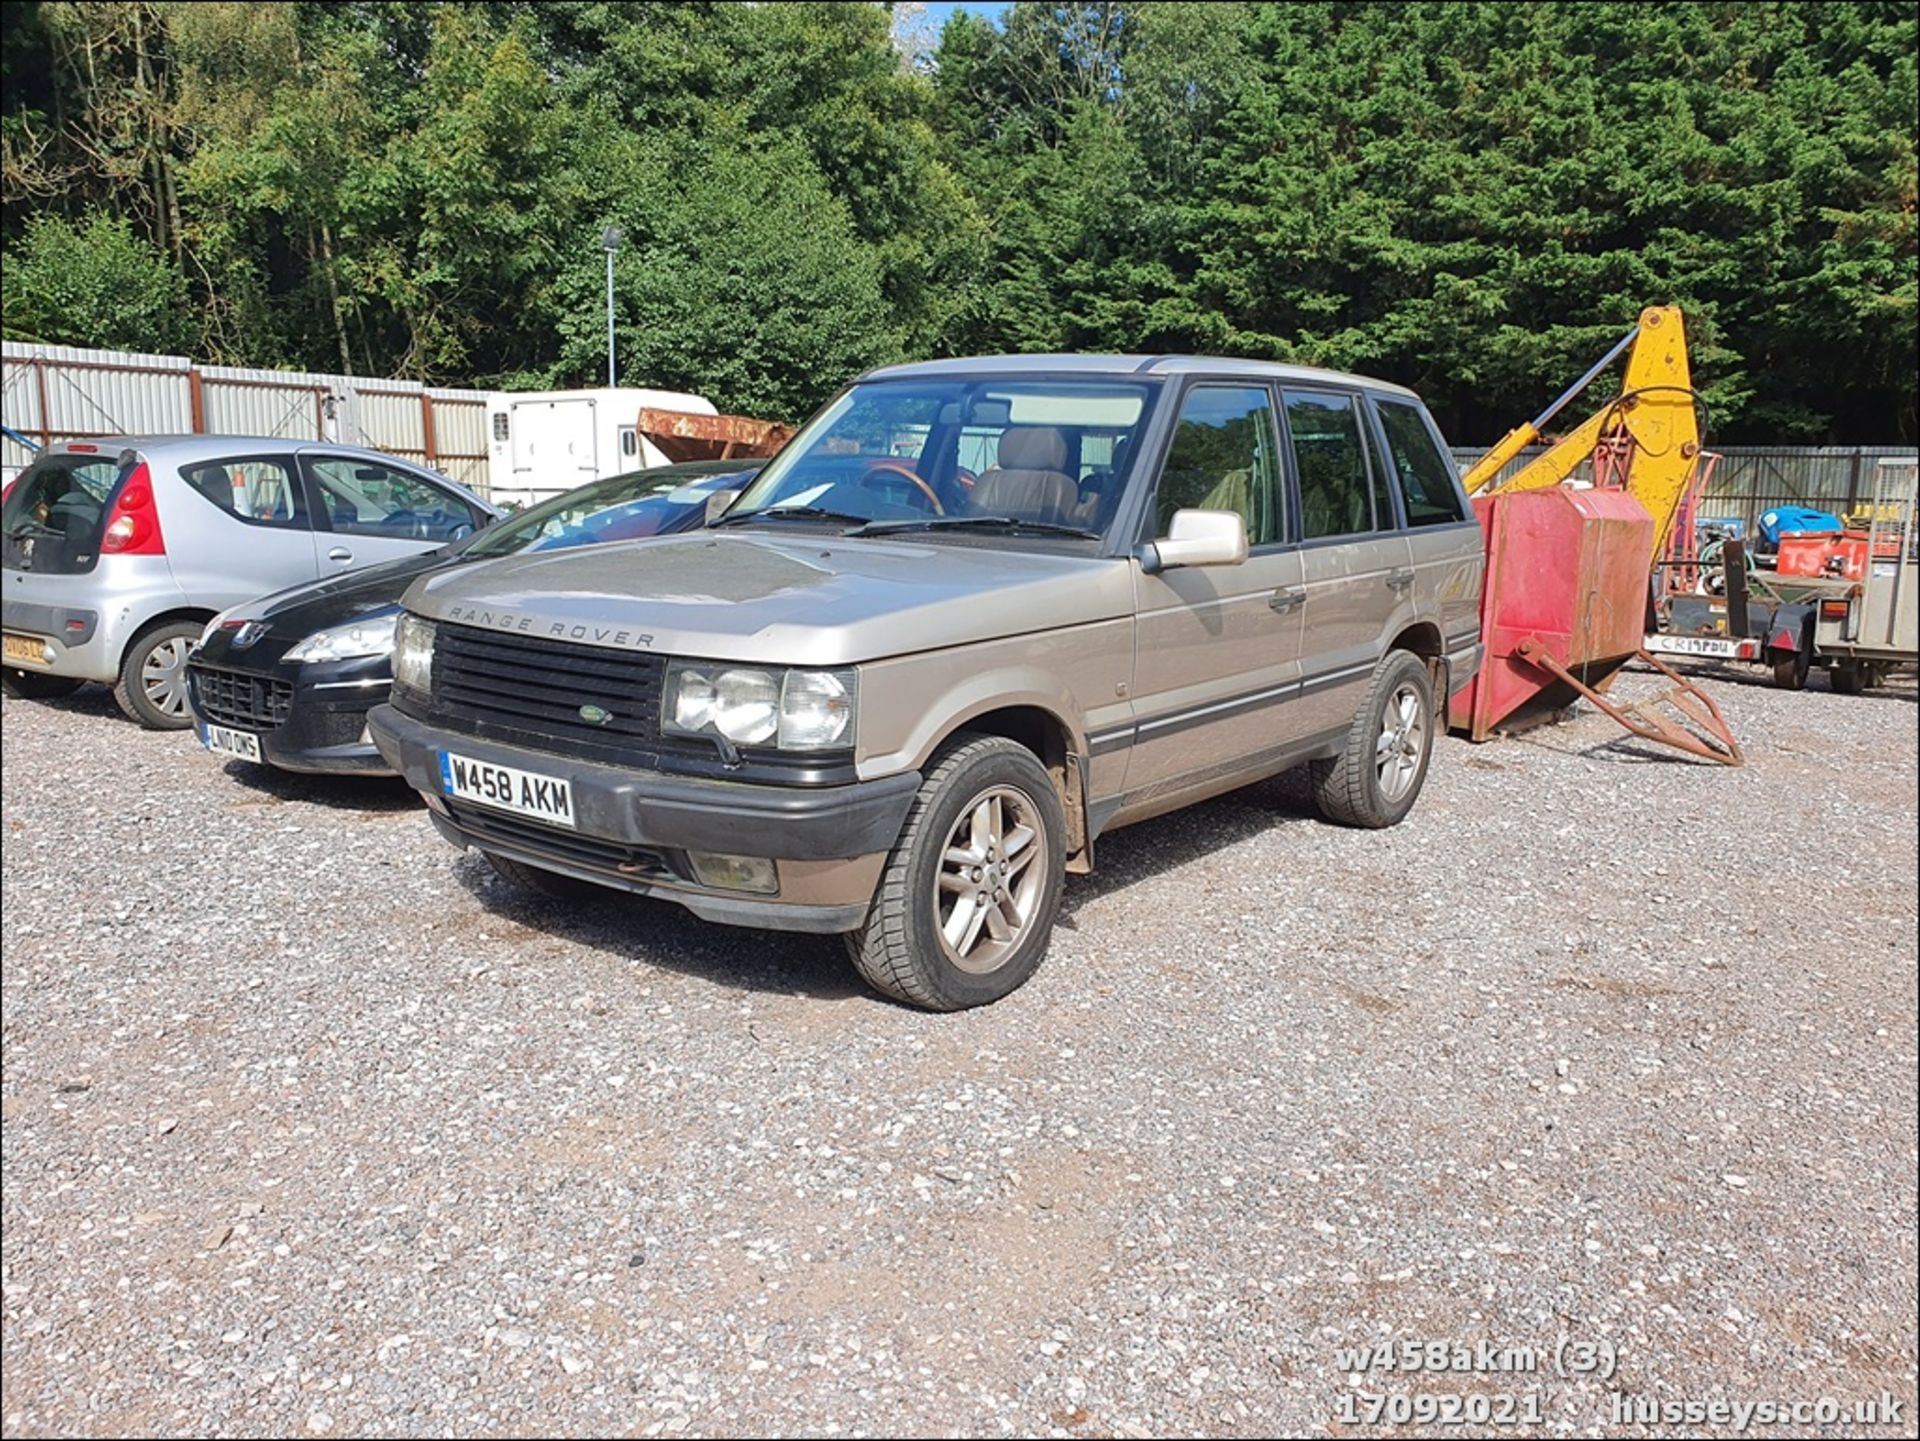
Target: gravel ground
[{"x": 311, "y": 1127}]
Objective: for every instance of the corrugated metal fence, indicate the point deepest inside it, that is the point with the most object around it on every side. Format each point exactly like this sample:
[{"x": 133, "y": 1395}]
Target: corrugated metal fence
[
  {"x": 58, "y": 392},
  {"x": 1752, "y": 479}
]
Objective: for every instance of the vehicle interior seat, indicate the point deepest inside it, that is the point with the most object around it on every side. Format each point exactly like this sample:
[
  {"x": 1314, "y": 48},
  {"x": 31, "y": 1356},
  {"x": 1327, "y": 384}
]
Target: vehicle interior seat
[
  {"x": 214, "y": 483},
  {"x": 1028, "y": 479},
  {"x": 1327, "y": 506},
  {"x": 1100, "y": 488}
]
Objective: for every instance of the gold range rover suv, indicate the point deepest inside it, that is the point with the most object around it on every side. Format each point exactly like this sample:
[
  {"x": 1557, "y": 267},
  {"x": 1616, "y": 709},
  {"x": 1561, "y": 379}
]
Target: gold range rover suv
[{"x": 975, "y": 615}]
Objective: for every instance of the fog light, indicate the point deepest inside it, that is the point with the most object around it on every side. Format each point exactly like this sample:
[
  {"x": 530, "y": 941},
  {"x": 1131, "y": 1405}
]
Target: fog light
[{"x": 734, "y": 873}]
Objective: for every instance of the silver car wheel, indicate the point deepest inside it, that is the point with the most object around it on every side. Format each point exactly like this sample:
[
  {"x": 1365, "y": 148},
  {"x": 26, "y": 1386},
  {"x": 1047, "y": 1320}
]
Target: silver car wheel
[
  {"x": 1403, "y": 736},
  {"x": 992, "y": 878},
  {"x": 163, "y": 675}
]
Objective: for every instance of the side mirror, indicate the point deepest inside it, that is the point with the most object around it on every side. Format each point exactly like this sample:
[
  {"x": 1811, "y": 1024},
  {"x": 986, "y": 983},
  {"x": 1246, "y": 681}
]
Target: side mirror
[
  {"x": 718, "y": 504},
  {"x": 1198, "y": 537}
]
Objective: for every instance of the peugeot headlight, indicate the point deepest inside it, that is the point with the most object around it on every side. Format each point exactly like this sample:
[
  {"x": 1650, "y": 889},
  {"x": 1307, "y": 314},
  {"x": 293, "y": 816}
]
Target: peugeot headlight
[
  {"x": 413, "y": 655},
  {"x": 370, "y": 636},
  {"x": 796, "y": 710}
]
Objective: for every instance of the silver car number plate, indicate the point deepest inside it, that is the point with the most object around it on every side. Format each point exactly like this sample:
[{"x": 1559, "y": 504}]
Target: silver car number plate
[
  {"x": 544, "y": 798},
  {"x": 223, "y": 741}
]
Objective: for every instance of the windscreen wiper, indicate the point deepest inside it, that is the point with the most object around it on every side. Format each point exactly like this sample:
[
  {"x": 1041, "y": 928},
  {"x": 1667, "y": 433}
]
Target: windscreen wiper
[
  {"x": 790, "y": 512},
  {"x": 980, "y": 522}
]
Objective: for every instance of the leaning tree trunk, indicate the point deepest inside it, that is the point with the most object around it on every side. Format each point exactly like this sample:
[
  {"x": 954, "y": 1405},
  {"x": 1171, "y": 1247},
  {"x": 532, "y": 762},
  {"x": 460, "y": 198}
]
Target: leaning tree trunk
[{"x": 333, "y": 297}]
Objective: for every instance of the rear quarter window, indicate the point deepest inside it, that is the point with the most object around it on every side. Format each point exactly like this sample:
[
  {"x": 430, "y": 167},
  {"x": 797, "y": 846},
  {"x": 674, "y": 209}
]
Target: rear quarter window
[
  {"x": 1423, "y": 472},
  {"x": 260, "y": 490}
]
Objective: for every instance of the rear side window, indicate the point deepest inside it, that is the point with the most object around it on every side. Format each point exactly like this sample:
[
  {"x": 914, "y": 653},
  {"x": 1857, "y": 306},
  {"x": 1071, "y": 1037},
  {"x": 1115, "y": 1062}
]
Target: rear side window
[
  {"x": 260, "y": 490},
  {"x": 1337, "y": 491},
  {"x": 55, "y": 512},
  {"x": 1425, "y": 476},
  {"x": 1223, "y": 457}
]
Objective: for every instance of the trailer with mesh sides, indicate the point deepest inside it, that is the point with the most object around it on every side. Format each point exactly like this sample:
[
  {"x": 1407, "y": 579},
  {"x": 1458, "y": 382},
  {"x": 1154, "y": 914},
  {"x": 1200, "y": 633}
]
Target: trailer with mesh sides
[{"x": 1871, "y": 622}]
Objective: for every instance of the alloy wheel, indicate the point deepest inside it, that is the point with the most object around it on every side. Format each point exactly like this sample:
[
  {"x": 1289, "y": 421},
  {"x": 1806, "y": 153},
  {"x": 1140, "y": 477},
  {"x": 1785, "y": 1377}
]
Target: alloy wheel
[
  {"x": 1403, "y": 736},
  {"x": 992, "y": 878}
]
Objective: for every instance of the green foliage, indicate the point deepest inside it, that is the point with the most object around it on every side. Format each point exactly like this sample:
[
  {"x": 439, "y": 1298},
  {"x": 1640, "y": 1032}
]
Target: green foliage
[
  {"x": 96, "y": 283},
  {"x": 1474, "y": 197},
  {"x": 1471, "y": 198},
  {"x": 742, "y": 276}
]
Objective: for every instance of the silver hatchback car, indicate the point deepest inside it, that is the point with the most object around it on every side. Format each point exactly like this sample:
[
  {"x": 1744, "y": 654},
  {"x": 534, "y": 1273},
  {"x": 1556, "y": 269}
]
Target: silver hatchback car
[{"x": 118, "y": 551}]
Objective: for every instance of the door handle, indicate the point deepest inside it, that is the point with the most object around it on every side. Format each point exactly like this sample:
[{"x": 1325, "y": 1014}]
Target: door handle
[
  {"x": 1285, "y": 600},
  {"x": 340, "y": 553},
  {"x": 1399, "y": 579}
]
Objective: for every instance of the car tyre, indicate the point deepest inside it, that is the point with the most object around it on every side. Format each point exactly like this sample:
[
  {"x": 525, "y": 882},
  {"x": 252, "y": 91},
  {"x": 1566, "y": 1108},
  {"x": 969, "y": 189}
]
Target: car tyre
[
  {"x": 152, "y": 688},
  {"x": 1847, "y": 677},
  {"x": 1382, "y": 765},
  {"x": 29, "y": 685},
  {"x": 545, "y": 882},
  {"x": 965, "y": 906}
]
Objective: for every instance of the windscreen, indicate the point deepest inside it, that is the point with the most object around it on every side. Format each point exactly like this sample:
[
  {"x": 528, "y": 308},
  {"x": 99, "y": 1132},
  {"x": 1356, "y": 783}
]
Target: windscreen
[
  {"x": 55, "y": 512},
  {"x": 1051, "y": 452},
  {"x": 627, "y": 507}
]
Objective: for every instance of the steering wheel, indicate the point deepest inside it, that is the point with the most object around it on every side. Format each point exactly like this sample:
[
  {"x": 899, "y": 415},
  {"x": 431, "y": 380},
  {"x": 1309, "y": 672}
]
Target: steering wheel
[{"x": 894, "y": 467}]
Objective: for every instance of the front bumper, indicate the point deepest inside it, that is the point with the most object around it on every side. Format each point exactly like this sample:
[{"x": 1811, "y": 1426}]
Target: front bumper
[
  {"x": 828, "y": 843},
  {"x": 325, "y": 729}
]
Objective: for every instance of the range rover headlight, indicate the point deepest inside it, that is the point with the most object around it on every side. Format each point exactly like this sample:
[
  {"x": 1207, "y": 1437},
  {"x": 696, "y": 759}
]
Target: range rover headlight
[
  {"x": 372, "y": 636},
  {"x": 796, "y": 710},
  {"x": 816, "y": 710},
  {"x": 413, "y": 655}
]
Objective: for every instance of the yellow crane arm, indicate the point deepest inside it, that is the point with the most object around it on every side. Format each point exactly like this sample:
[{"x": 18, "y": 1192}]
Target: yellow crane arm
[{"x": 1655, "y": 408}]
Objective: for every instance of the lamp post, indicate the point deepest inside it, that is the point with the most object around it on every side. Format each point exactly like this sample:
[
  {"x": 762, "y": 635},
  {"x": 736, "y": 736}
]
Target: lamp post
[{"x": 610, "y": 239}]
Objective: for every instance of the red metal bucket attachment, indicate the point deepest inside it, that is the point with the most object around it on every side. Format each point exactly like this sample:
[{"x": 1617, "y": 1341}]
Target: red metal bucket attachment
[{"x": 1567, "y": 575}]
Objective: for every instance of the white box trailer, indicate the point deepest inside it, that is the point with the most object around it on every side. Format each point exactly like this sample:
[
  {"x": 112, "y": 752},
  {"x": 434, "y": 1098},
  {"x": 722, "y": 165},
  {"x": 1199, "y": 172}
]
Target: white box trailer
[{"x": 543, "y": 442}]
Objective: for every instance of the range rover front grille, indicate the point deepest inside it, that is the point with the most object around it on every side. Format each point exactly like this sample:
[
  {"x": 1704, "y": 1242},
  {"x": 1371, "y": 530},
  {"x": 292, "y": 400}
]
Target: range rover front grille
[
  {"x": 234, "y": 698},
  {"x": 517, "y": 689}
]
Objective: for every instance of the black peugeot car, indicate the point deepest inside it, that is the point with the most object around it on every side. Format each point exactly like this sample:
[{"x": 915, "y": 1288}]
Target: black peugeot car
[{"x": 287, "y": 680}]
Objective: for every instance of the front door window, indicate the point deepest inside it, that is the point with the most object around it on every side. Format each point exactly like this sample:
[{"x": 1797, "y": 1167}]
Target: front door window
[{"x": 1223, "y": 458}]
